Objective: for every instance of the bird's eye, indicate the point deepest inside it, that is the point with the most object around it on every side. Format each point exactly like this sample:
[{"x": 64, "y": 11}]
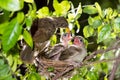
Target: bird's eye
[
  {"x": 65, "y": 35},
  {"x": 81, "y": 40}
]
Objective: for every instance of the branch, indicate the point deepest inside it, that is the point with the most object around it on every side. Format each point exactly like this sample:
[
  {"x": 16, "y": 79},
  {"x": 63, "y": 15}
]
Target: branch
[
  {"x": 62, "y": 73},
  {"x": 114, "y": 47},
  {"x": 101, "y": 61},
  {"x": 116, "y": 63}
]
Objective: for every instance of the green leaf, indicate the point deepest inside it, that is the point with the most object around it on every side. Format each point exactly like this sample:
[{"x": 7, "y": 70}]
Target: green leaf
[
  {"x": 61, "y": 8},
  {"x": 79, "y": 9},
  {"x": 1, "y": 61},
  {"x": 106, "y": 77},
  {"x": 90, "y": 20},
  {"x": 66, "y": 5},
  {"x": 77, "y": 77},
  {"x": 28, "y": 21},
  {"x": 34, "y": 76},
  {"x": 13, "y": 59},
  {"x": 5, "y": 73},
  {"x": 104, "y": 67},
  {"x": 53, "y": 40},
  {"x": 29, "y": 1},
  {"x": 4, "y": 15},
  {"x": 78, "y": 12},
  {"x": 96, "y": 24},
  {"x": 90, "y": 9},
  {"x": 116, "y": 25},
  {"x": 50, "y": 69},
  {"x": 92, "y": 75},
  {"x": 114, "y": 14},
  {"x": 104, "y": 33},
  {"x": 57, "y": 7},
  {"x": 27, "y": 37},
  {"x": 78, "y": 26},
  {"x": 11, "y": 35},
  {"x": 99, "y": 9},
  {"x": 20, "y": 17},
  {"x": 71, "y": 17},
  {"x": 32, "y": 11},
  {"x": 14, "y": 66},
  {"x": 88, "y": 31},
  {"x": 83, "y": 71},
  {"x": 11, "y": 5},
  {"x": 2, "y": 27},
  {"x": 10, "y": 59},
  {"x": 109, "y": 12},
  {"x": 4, "y": 69},
  {"x": 43, "y": 12}
]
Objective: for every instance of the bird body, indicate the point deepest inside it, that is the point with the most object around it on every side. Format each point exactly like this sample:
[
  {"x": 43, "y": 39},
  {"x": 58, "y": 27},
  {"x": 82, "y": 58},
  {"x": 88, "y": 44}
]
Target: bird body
[
  {"x": 60, "y": 47},
  {"x": 41, "y": 31},
  {"x": 75, "y": 52},
  {"x": 26, "y": 54}
]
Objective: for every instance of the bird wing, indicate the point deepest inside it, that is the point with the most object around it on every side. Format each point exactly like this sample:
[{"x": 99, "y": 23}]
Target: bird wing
[
  {"x": 73, "y": 53},
  {"x": 57, "y": 49},
  {"x": 27, "y": 54}
]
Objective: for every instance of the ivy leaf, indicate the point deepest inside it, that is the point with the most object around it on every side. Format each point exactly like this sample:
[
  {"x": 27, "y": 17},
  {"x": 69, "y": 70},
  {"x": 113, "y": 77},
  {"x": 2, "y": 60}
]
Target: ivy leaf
[
  {"x": 90, "y": 9},
  {"x": 88, "y": 31},
  {"x": 104, "y": 33},
  {"x": 27, "y": 37},
  {"x": 11, "y": 5},
  {"x": 11, "y": 35}
]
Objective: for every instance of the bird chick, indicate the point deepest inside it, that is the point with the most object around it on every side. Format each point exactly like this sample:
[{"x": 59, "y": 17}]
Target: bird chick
[
  {"x": 76, "y": 52},
  {"x": 60, "y": 47}
]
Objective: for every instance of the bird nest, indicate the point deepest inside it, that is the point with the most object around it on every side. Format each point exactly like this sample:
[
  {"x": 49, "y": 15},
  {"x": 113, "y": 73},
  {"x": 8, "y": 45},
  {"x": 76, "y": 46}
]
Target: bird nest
[{"x": 55, "y": 69}]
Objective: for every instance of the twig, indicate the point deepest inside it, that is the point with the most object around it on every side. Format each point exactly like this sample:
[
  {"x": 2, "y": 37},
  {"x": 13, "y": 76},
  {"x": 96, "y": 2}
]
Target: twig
[
  {"x": 116, "y": 63},
  {"x": 62, "y": 73},
  {"x": 101, "y": 61},
  {"x": 100, "y": 52},
  {"x": 68, "y": 69}
]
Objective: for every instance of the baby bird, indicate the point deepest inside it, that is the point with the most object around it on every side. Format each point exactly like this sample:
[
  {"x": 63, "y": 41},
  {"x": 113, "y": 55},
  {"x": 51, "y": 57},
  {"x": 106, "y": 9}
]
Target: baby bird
[
  {"x": 76, "y": 52},
  {"x": 60, "y": 47}
]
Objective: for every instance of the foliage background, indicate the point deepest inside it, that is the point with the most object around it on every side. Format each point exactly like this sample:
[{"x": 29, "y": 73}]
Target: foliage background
[{"x": 97, "y": 20}]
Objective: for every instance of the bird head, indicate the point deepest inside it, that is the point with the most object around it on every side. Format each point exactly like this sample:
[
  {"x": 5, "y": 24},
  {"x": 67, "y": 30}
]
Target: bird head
[
  {"x": 60, "y": 22},
  {"x": 78, "y": 41},
  {"x": 66, "y": 38}
]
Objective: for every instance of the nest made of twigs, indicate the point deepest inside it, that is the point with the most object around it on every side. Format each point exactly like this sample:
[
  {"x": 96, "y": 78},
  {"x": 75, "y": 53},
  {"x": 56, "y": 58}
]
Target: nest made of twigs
[{"x": 54, "y": 69}]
